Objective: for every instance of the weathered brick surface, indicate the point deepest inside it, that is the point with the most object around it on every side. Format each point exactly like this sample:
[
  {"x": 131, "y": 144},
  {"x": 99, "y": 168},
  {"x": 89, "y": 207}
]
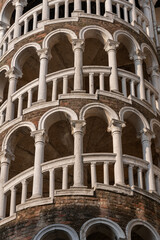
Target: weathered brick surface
[{"x": 75, "y": 211}]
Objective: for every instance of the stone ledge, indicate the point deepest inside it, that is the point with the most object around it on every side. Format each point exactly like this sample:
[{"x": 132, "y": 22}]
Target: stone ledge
[
  {"x": 124, "y": 189},
  {"x": 7, "y": 219},
  {"x": 33, "y": 202},
  {"x": 74, "y": 192},
  {"x": 152, "y": 195}
]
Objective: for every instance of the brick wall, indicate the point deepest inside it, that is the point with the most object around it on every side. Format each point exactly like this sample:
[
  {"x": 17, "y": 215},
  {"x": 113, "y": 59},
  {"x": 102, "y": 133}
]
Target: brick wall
[{"x": 75, "y": 211}]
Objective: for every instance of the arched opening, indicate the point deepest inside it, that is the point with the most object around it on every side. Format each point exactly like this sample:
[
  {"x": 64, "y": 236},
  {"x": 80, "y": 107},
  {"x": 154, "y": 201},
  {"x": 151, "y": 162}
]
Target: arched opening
[
  {"x": 126, "y": 63},
  {"x": 8, "y": 14},
  {"x": 94, "y": 56},
  {"x": 62, "y": 57},
  {"x": 97, "y": 140},
  {"x": 21, "y": 145},
  {"x": 29, "y": 64},
  {"x": 57, "y": 232},
  {"x": 60, "y": 144},
  {"x": 100, "y": 232},
  {"x": 149, "y": 63},
  {"x": 156, "y": 146},
  {"x": 56, "y": 235},
  {"x": 4, "y": 84},
  {"x": 132, "y": 146},
  {"x": 140, "y": 232}
]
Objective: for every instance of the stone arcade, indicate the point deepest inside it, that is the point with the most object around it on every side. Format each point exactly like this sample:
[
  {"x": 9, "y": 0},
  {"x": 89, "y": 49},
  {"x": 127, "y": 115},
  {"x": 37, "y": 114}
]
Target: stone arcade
[{"x": 79, "y": 120}]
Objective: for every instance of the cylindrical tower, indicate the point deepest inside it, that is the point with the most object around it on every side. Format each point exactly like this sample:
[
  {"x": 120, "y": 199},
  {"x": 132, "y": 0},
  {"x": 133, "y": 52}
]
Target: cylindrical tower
[{"x": 79, "y": 120}]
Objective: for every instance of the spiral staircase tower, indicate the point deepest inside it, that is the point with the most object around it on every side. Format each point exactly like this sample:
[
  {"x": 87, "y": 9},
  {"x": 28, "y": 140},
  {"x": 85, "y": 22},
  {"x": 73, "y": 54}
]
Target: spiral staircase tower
[{"x": 79, "y": 120}]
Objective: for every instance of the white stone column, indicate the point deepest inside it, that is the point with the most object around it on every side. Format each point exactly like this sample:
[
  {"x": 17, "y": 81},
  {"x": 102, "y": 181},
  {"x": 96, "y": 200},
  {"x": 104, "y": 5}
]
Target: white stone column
[
  {"x": 3, "y": 28},
  {"x": 106, "y": 173},
  {"x": 133, "y": 12},
  {"x": 6, "y": 158},
  {"x": 19, "y": 6},
  {"x": 145, "y": 4},
  {"x": 93, "y": 175},
  {"x": 51, "y": 183},
  {"x": 24, "y": 191},
  {"x": 116, "y": 131},
  {"x": 78, "y": 48},
  {"x": 45, "y": 10},
  {"x": 13, "y": 74},
  {"x": 78, "y": 131},
  {"x": 138, "y": 63},
  {"x": 146, "y": 137},
  {"x": 130, "y": 175},
  {"x": 42, "y": 89},
  {"x": 140, "y": 178},
  {"x": 39, "y": 137},
  {"x": 65, "y": 178},
  {"x": 77, "y": 8},
  {"x": 155, "y": 76},
  {"x": 110, "y": 48},
  {"x": 13, "y": 201}
]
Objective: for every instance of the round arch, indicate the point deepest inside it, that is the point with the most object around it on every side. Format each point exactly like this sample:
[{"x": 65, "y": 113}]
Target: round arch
[
  {"x": 151, "y": 59},
  {"x": 125, "y": 110},
  {"x": 110, "y": 113},
  {"x": 114, "y": 227},
  {"x": 154, "y": 122},
  {"x": 72, "y": 115},
  {"x": 70, "y": 34},
  {"x": 4, "y": 68},
  {"x": 29, "y": 125},
  {"x": 135, "y": 222},
  {"x": 14, "y": 62},
  {"x": 128, "y": 40},
  {"x": 104, "y": 34},
  {"x": 61, "y": 227},
  {"x": 4, "y": 17}
]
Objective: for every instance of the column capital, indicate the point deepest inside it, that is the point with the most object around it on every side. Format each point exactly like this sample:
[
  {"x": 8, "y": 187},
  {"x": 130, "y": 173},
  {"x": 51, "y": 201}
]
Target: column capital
[
  {"x": 22, "y": 3},
  {"x": 137, "y": 55},
  {"x": 116, "y": 125},
  {"x": 154, "y": 71},
  {"x": 146, "y": 135},
  {"x": 13, "y": 73},
  {"x": 144, "y": 3},
  {"x": 7, "y": 156},
  {"x": 111, "y": 45},
  {"x": 3, "y": 25},
  {"x": 78, "y": 126},
  {"x": 78, "y": 43},
  {"x": 44, "y": 53},
  {"x": 39, "y": 136}
]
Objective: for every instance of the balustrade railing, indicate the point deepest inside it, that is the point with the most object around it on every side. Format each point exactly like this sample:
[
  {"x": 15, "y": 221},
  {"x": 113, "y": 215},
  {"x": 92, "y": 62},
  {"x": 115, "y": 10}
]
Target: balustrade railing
[
  {"x": 156, "y": 171},
  {"x": 63, "y": 9},
  {"x": 62, "y": 82},
  {"x": 58, "y": 175},
  {"x": 136, "y": 171}
]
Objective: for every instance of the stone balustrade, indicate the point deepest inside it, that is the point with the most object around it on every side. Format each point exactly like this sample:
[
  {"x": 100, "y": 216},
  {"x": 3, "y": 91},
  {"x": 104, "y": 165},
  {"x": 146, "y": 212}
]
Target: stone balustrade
[
  {"x": 136, "y": 167},
  {"x": 100, "y": 173},
  {"x": 58, "y": 9},
  {"x": 96, "y": 78}
]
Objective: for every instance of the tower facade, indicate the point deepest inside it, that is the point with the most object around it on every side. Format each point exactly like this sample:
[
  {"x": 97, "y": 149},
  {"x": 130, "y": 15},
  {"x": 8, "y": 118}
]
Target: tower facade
[{"x": 79, "y": 120}]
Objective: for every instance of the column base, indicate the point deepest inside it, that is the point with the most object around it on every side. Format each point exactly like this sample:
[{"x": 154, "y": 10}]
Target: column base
[
  {"x": 76, "y": 13},
  {"x": 109, "y": 16},
  {"x": 116, "y": 92},
  {"x": 74, "y": 187},
  {"x": 35, "y": 196},
  {"x": 78, "y": 91}
]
